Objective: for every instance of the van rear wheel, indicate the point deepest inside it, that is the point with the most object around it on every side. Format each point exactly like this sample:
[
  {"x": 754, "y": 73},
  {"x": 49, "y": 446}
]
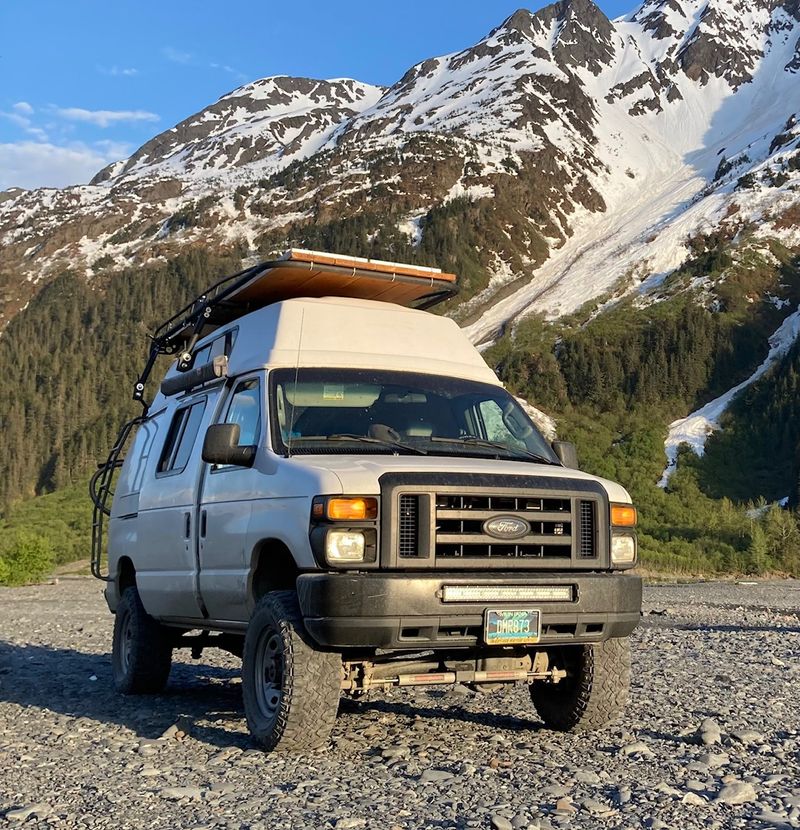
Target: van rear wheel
[
  {"x": 595, "y": 690},
  {"x": 290, "y": 689},
  {"x": 141, "y": 653}
]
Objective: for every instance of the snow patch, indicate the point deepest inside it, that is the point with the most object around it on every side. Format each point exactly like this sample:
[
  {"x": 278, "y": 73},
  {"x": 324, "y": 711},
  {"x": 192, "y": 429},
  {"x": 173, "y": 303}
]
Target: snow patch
[
  {"x": 472, "y": 192},
  {"x": 695, "y": 428},
  {"x": 411, "y": 226}
]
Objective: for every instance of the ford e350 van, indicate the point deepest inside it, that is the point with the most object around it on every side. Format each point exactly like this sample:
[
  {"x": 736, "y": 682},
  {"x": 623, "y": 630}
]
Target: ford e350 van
[{"x": 332, "y": 484}]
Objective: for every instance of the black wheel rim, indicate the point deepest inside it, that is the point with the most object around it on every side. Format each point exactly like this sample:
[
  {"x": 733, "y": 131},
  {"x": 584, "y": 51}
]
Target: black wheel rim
[
  {"x": 269, "y": 674},
  {"x": 125, "y": 643}
]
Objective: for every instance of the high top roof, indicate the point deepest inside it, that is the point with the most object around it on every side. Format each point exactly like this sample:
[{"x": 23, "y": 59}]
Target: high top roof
[
  {"x": 344, "y": 332},
  {"x": 301, "y": 273}
]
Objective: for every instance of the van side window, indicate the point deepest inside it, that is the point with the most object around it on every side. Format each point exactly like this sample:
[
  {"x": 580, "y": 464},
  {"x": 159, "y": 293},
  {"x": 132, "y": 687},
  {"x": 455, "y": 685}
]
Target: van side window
[
  {"x": 245, "y": 410},
  {"x": 181, "y": 437},
  {"x": 142, "y": 447},
  {"x": 218, "y": 346}
]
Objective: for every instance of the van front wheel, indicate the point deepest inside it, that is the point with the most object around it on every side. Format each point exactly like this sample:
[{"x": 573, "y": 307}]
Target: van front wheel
[
  {"x": 290, "y": 689},
  {"x": 141, "y": 653},
  {"x": 595, "y": 690}
]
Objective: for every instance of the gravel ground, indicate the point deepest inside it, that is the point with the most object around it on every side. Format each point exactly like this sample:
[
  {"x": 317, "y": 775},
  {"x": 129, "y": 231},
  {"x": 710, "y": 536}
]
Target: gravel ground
[{"x": 714, "y": 663}]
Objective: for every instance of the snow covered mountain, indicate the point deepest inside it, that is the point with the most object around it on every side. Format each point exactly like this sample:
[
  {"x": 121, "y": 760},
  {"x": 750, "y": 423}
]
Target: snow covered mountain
[
  {"x": 587, "y": 153},
  {"x": 262, "y": 126}
]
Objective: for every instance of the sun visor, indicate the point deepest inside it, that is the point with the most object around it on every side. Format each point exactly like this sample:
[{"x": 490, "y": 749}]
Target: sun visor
[{"x": 355, "y": 395}]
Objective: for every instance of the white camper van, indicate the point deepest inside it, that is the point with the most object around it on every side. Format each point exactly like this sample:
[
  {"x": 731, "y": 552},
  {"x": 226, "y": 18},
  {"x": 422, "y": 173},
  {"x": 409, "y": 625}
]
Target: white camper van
[{"x": 334, "y": 485}]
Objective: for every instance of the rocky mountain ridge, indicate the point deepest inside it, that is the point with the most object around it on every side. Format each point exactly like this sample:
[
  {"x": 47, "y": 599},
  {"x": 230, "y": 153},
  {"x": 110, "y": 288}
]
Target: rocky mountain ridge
[{"x": 590, "y": 151}]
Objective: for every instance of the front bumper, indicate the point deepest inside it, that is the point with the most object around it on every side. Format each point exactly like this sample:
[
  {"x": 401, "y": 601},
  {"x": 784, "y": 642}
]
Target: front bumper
[{"x": 405, "y": 611}]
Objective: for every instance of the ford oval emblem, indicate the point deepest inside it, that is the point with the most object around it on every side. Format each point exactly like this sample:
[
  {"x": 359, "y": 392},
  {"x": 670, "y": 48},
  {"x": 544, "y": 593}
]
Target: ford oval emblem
[{"x": 506, "y": 527}]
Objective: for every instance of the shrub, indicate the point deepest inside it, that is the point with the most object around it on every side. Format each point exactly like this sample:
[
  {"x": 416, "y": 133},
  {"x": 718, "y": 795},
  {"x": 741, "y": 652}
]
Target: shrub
[{"x": 25, "y": 557}]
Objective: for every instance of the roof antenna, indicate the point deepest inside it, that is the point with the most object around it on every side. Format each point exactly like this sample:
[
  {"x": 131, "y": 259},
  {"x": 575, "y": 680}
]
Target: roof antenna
[{"x": 294, "y": 393}]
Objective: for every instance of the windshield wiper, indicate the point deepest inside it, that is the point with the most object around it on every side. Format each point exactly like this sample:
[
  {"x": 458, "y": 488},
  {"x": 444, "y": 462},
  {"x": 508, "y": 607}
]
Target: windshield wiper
[
  {"x": 399, "y": 446},
  {"x": 519, "y": 452}
]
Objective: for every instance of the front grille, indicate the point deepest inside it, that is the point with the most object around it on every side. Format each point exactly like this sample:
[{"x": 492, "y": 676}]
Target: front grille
[
  {"x": 587, "y": 517},
  {"x": 461, "y": 530},
  {"x": 408, "y": 538},
  {"x": 466, "y": 522}
]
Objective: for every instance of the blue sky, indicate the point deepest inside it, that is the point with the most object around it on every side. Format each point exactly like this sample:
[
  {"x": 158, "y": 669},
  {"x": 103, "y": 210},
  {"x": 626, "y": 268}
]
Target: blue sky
[{"x": 84, "y": 82}]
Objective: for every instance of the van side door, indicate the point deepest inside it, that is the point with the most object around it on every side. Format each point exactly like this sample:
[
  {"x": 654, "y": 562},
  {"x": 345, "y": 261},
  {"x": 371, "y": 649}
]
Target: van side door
[
  {"x": 226, "y": 504},
  {"x": 166, "y": 559}
]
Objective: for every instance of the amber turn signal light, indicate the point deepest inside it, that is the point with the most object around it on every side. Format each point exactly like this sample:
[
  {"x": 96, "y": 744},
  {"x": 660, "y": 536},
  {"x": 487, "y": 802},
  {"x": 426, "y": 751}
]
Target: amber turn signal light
[
  {"x": 623, "y": 515},
  {"x": 352, "y": 509}
]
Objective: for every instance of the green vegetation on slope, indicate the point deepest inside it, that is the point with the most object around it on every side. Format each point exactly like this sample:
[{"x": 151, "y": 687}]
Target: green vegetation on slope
[
  {"x": 62, "y": 519},
  {"x": 758, "y": 449},
  {"x": 25, "y": 557},
  {"x": 616, "y": 380},
  {"x": 453, "y": 236},
  {"x": 69, "y": 362},
  {"x": 40, "y": 533}
]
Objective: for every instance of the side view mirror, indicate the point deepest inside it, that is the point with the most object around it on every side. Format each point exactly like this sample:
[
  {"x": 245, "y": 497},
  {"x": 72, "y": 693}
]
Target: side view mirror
[
  {"x": 221, "y": 446},
  {"x": 567, "y": 453}
]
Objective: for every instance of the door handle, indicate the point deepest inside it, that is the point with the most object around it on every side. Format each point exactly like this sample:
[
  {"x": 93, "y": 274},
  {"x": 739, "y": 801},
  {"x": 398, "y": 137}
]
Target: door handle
[
  {"x": 203, "y": 523},
  {"x": 187, "y": 526}
]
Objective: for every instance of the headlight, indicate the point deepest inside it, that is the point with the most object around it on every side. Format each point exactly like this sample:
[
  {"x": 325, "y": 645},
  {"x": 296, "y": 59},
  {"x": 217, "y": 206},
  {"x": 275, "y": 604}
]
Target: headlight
[
  {"x": 345, "y": 546},
  {"x": 623, "y": 550}
]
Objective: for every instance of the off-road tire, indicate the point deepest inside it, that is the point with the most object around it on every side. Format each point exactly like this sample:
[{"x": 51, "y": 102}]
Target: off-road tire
[
  {"x": 141, "y": 654},
  {"x": 594, "y": 693},
  {"x": 290, "y": 688}
]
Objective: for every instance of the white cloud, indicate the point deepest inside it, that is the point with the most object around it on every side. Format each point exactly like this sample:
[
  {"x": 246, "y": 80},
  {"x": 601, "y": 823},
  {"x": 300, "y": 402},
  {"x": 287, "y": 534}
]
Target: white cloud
[
  {"x": 22, "y": 121},
  {"x": 117, "y": 71},
  {"x": 105, "y": 118},
  {"x": 16, "y": 119},
  {"x": 33, "y": 164},
  {"x": 114, "y": 149},
  {"x": 238, "y": 74},
  {"x": 176, "y": 55},
  {"x": 38, "y": 133}
]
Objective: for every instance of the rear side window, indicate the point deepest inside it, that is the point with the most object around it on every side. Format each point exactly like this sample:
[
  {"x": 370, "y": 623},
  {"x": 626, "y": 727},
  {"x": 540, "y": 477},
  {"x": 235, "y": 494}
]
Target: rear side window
[
  {"x": 143, "y": 444},
  {"x": 218, "y": 346},
  {"x": 181, "y": 437}
]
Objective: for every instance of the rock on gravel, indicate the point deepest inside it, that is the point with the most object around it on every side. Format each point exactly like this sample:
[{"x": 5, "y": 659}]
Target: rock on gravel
[
  {"x": 636, "y": 748},
  {"x": 736, "y": 792},
  {"x": 430, "y": 776},
  {"x": 694, "y": 799},
  {"x": 747, "y": 736},
  {"x": 74, "y": 754},
  {"x": 714, "y": 760},
  {"x": 710, "y": 732},
  {"x": 40, "y": 811}
]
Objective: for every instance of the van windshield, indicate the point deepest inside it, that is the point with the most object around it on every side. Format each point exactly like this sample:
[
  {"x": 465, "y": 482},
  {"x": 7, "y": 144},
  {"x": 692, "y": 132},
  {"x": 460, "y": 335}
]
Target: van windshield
[{"x": 356, "y": 411}]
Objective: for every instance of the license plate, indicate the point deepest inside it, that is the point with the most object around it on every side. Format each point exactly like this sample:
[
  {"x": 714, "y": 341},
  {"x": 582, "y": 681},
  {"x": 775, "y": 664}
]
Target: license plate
[{"x": 504, "y": 628}]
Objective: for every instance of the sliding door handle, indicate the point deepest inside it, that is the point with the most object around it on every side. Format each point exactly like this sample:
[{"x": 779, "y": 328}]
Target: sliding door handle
[{"x": 203, "y": 524}]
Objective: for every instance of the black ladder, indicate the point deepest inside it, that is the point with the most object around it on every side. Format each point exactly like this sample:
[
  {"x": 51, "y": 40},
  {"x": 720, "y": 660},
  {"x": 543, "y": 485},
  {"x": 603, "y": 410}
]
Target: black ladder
[{"x": 100, "y": 491}]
